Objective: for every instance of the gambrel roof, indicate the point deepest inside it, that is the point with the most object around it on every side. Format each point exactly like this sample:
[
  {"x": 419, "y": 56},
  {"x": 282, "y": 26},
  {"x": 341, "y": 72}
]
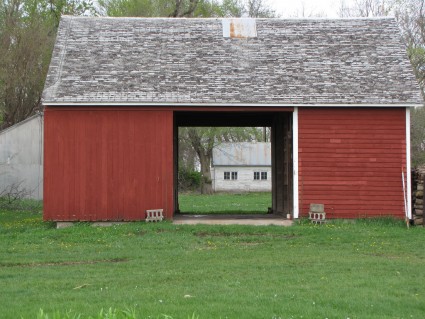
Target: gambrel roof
[{"x": 170, "y": 61}]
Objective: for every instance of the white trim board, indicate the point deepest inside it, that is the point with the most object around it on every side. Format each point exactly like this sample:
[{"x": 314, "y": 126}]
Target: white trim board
[
  {"x": 408, "y": 166},
  {"x": 295, "y": 187}
]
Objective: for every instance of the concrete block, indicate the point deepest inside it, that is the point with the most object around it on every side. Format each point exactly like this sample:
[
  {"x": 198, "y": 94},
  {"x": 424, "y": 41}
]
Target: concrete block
[
  {"x": 154, "y": 215},
  {"x": 317, "y": 208},
  {"x": 60, "y": 225}
]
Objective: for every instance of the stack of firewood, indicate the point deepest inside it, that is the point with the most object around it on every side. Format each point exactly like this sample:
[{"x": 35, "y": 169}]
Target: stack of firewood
[{"x": 418, "y": 179}]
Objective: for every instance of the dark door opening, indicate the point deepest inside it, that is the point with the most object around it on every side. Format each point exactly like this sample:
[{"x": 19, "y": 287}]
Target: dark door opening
[{"x": 280, "y": 123}]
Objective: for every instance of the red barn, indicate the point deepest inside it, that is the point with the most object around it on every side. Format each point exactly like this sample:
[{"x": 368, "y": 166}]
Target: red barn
[{"x": 336, "y": 93}]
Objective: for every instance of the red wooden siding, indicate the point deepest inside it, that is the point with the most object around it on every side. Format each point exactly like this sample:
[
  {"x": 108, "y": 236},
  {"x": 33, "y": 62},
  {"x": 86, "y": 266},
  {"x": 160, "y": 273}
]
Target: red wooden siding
[
  {"x": 350, "y": 159},
  {"x": 106, "y": 164}
]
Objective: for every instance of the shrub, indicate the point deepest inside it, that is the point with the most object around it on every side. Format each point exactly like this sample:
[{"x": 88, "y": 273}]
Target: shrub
[{"x": 189, "y": 180}]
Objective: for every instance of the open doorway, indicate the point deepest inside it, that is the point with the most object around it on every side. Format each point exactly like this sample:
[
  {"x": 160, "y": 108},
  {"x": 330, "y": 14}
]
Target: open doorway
[
  {"x": 248, "y": 199},
  {"x": 224, "y": 170}
]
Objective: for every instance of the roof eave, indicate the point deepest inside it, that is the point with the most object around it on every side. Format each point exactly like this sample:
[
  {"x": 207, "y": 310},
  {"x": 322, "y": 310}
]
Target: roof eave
[{"x": 277, "y": 105}]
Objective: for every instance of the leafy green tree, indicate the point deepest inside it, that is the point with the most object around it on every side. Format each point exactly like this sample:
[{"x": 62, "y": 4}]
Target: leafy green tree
[
  {"x": 186, "y": 8},
  {"x": 27, "y": 34},
  {"x": 259, "y": 9}
]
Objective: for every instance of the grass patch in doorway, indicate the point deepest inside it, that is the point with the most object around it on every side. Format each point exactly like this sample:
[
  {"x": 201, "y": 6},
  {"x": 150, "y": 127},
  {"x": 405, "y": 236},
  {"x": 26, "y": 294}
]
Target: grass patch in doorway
[{"x": 225, "y": 203}]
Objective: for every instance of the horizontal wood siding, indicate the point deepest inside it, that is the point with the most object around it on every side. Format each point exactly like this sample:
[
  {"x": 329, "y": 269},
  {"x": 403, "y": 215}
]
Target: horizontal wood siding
[
  {"x": 107, "y": 164},
  {"x": 350, "y": 159}
]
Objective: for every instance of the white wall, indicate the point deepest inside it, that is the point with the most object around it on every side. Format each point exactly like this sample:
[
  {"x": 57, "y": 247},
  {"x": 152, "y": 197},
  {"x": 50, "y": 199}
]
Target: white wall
[
  {"x": 245, "y": 181},
  {"x": 21, "y": 156}
]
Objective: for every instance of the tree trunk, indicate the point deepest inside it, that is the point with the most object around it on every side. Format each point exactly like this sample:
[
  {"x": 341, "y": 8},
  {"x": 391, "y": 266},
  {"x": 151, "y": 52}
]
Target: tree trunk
[
  {"x": 205, "y": 154},
  {"x": 206, "y": 181}
]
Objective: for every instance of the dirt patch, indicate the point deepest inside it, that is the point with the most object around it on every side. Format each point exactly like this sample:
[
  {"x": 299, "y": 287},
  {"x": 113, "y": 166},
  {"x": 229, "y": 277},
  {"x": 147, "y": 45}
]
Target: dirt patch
[
  {"x": 213, "y": 234},
  {"x": 65, "y": 263}
]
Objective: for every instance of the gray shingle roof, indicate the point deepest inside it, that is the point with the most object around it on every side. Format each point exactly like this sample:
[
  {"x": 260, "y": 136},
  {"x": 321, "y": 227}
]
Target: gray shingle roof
[{"x": 181, "y": 61}]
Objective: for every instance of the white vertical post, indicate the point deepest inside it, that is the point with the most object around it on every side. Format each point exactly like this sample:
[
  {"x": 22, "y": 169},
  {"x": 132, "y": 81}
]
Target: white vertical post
[
  {"x": 295, "y": 161},
  {"x": 408, "y": 167}
]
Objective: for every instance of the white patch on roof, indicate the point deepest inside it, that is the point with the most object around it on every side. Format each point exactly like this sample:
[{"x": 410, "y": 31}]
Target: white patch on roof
[{"x": 239, "y": 28}]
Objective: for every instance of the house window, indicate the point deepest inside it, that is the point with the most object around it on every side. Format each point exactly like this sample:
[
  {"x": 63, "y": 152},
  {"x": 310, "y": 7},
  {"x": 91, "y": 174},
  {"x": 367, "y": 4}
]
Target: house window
[
  {"x": 260, "y": 175},
  {"x": 227, "y": 175}
]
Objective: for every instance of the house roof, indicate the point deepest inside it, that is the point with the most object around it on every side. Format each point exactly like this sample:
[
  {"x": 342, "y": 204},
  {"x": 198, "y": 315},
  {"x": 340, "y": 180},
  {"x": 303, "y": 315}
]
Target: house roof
[
  {"x": 168, "y": 61},
  {"x": 242, "y": 154}
]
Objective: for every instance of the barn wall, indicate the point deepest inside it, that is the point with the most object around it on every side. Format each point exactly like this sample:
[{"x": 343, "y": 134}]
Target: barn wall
[
  {"x": 21, "y": 158},
  {"x": 106, "y": 164},
  {"x": 350, "y": 159},
  {"x": 245, "y": 181}
]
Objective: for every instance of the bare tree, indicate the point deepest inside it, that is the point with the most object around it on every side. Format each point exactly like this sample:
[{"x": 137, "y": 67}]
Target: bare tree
[
  {"x": 13, "y": 192},
  {"x": 365, "y": 8}
]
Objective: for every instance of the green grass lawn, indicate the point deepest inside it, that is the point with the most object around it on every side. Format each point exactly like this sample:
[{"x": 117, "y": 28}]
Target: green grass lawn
[
  {"x": 366, "y": 269},
  {"x": 225, "y": 203}
]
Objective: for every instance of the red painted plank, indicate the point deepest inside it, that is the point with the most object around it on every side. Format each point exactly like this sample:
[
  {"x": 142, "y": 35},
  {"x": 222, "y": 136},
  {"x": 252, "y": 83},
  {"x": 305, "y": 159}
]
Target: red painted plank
[
  {"x": 314, "y": 173},
  {"x": 358, "y": 131},
  {"x": 346, "y": 188},
  {"x": 344, "y": 144},
  {"x": 340, "y": 163},
  {"x": 342, "y": 135}
]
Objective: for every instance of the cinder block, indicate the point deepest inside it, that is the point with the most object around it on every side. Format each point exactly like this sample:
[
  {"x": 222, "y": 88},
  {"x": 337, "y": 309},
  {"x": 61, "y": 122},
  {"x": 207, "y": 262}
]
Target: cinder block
[
  {"x": 317, "y": 208},
  {"x": 60, "y": 225},
  {"x": 154, "y": 215}
]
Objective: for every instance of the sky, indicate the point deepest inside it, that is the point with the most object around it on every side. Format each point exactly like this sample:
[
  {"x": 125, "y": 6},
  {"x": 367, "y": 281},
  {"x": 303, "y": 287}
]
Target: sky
[{"x": 295, "y": 8}]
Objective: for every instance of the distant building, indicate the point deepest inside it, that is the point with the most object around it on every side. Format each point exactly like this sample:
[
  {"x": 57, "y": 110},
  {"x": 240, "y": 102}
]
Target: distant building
[
  {"x": 242, "y": 167},
  {"x": 21, "y": 159}
]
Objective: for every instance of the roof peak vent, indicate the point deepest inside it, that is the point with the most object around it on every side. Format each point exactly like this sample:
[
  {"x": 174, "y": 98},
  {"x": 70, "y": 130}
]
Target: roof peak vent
[{"x": 239, "y": 28}]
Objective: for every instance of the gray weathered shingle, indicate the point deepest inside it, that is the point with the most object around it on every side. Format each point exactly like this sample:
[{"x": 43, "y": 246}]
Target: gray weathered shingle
[{"x": 295, "y": 61}]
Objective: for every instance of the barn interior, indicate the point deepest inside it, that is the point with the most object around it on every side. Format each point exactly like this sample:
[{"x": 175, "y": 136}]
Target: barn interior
[{"x": 280, "y": 122}]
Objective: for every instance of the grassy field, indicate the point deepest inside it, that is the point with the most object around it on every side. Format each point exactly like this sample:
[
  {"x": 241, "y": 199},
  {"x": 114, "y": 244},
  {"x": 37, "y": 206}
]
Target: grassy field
[
  {"x": 366, "y": 269},
  {"x": 225, "y": 203}
]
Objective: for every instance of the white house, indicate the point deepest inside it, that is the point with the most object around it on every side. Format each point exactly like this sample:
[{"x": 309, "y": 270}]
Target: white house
[
  {"x": 21, "y": 158},
  {"x": 242, "y": 167}
]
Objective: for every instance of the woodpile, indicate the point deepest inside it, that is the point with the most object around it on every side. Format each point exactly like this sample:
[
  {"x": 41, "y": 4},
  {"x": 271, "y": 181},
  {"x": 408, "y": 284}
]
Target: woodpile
[{"x": 418, "y": 180}]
